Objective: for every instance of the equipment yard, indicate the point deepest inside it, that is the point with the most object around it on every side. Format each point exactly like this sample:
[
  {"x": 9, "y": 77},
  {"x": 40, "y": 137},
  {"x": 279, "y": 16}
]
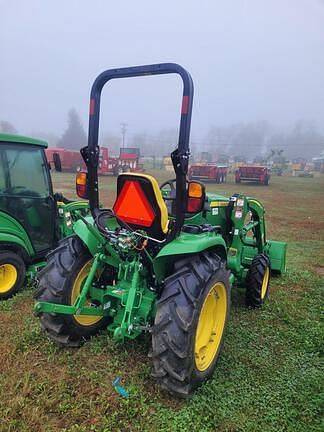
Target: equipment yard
[{"x": 268, "y": 377}]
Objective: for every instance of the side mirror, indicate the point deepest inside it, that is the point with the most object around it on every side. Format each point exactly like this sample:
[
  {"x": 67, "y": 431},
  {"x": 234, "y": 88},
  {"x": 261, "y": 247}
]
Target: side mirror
[
  {"x": 57, "y": 162},
  {"x": 81, "y": 184},
  {"x": 195, "y": 197}
]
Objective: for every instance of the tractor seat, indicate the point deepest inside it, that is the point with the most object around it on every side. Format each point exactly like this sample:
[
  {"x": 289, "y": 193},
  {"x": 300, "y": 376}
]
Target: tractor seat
[{"x": 140, "y": 204}]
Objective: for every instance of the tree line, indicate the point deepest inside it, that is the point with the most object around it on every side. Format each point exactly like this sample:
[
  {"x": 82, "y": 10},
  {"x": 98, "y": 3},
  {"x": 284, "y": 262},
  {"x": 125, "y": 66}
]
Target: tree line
[{"x": 242, "y": 141}]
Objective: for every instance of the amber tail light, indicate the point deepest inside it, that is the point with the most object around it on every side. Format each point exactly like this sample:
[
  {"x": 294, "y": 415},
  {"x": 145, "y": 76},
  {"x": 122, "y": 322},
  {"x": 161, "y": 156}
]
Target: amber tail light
[
  {"x": 81, "y": 185},
  {"x": 195, "y": 197}
]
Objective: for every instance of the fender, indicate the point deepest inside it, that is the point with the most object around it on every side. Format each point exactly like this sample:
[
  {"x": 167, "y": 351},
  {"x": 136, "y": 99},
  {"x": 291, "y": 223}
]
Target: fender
[
  {"x": 13, "y": 232},
  {"x": 187, "y": 244},
  {"x": 81, "y": 229},
  {"x": 94, "y": 241}
]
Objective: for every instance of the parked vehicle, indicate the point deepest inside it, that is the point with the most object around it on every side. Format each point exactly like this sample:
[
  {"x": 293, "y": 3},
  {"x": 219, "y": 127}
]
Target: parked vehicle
[
  {"x": 127, "y": 161},
  {"x": 208, "y": 172},
  {"x": 67, "y": 160},
  {"x": 253, "y": 173},
  {"x": 32, "y": 217}
]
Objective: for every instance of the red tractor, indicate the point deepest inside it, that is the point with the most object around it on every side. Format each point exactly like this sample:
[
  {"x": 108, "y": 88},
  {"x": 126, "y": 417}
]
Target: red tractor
[
  {"x": 208, "y": 172},
  {"x": 258, "y": 174}
]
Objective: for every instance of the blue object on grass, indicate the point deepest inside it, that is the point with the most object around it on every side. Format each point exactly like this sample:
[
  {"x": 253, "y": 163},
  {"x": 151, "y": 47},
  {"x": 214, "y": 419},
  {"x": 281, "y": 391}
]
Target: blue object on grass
[{"x": 119, "y": 389}]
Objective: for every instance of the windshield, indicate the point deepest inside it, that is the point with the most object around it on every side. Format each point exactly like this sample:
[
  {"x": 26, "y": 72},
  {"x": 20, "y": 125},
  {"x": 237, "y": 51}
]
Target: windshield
[{"x": 23, "y": 171}]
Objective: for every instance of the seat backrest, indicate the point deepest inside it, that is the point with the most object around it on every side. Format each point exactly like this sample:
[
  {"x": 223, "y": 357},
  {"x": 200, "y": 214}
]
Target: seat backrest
[{"x": 140, "y": 204}]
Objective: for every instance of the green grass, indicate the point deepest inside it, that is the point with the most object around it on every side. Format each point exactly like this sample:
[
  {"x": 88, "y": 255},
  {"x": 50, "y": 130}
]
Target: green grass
[{"x": 269, "y": 377}]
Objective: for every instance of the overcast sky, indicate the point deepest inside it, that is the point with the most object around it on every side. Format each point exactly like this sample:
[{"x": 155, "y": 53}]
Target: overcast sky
[{"x": 250, "y": 60}]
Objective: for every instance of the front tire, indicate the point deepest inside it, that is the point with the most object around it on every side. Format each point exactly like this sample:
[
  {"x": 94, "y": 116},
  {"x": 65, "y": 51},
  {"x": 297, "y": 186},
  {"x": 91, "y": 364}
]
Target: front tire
[
  {"x": 60, "y": 282},
  {"x": 190, "y": 323},
  {"x": 258, "y": 281},
  {"x": 12, "y": 274}
]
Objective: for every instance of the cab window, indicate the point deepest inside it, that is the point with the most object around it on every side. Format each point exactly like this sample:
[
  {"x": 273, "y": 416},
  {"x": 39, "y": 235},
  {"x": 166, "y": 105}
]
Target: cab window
[
  {"x": 23, "y": 170},
  {"x": 2, "y": 176}
]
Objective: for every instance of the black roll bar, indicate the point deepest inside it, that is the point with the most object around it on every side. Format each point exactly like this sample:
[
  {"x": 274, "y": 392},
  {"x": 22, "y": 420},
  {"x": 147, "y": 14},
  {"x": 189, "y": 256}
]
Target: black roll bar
[{"x": 180, "y": 156}]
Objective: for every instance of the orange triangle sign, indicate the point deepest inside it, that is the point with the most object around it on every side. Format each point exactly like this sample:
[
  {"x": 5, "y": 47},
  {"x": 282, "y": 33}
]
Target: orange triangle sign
[{"x": 132, "y": 206}]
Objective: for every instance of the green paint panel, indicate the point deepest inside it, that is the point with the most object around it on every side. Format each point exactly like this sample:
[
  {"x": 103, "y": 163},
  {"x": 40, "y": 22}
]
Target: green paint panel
[
  {"x": 12, "y": 138},
  {"x": 11, "y": 231},
  {"x": 186, "y": 244},
  {"x": 277, "y": 252}
]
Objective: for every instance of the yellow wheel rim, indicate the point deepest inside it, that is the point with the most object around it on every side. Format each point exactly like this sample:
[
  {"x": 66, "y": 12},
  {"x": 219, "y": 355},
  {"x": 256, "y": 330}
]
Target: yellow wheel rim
[
  {"x": 265, "y": 283},
  {"x": 84, "y": 320},
  {"x": 210, "y": 327},
  {"x": 8, "y": 277}
]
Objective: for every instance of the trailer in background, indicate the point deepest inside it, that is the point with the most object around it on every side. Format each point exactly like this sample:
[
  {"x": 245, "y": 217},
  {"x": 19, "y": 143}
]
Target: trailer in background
[
  {"x": 254, "y": 173},
  {"x": 71, "y": 160},
  {"x": 208, "y": 172},
  {"x": 127, "y": 161},
  {"x": 68, "y": 160}
]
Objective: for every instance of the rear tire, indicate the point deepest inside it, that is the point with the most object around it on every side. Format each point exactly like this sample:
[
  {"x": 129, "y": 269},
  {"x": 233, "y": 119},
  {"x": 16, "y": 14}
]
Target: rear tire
[
  {"x": 258, "y": 281},
  {"x": 57, "y": 283},
  {"x": 195, "y": 298},
  {"x": 12, "y": 274}
]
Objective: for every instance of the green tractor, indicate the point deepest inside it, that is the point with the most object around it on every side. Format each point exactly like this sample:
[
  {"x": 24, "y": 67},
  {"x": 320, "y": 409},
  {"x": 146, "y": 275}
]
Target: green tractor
[
  {"x": 32, "y": 217},
  {"x": 162, "y": 260}
]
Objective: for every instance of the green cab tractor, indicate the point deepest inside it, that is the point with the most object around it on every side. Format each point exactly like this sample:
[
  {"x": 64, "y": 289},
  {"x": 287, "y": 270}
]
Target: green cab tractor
[
  {"x": 32, "y": 217},
  {"x": 163, "y": 260}
]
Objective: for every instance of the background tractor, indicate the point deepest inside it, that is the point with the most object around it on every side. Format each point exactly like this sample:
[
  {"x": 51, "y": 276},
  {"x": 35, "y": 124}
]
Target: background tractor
[
  {"x": 162, "y": 260},
  {"x": 32, "y": 217}
]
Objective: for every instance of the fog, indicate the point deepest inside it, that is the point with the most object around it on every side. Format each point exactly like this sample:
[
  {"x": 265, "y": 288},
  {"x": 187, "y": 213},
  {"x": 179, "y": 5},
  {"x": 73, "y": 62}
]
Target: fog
[{"x": 251, "y": 61}]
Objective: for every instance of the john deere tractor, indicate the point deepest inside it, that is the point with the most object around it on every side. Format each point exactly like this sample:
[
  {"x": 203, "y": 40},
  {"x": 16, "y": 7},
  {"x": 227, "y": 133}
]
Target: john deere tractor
[
  {"x": 162, "y": 260},
  {"x": 32, "y": 217}
]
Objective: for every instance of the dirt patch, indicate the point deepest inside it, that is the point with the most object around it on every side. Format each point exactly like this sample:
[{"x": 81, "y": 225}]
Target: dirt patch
[{"x": 319, "y": 270}]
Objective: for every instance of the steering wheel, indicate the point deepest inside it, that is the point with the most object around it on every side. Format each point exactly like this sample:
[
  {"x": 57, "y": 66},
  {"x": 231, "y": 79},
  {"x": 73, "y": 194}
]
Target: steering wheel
[
  {"x": 169, "y": 194},
  {"x": 172, "y": 190}
]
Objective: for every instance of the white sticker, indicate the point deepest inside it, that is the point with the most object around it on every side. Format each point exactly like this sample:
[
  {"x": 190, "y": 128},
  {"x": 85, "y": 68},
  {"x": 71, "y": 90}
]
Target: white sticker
[
  {"x": 238, "y": 214},
  {"x": 215, "y": 211},
  {"x": 236, "y": 231},
  {"x": 240, "y": 202}
]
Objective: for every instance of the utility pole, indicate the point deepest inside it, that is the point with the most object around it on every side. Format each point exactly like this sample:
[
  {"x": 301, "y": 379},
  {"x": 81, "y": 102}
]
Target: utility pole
[{"x": 123, "y": 127}]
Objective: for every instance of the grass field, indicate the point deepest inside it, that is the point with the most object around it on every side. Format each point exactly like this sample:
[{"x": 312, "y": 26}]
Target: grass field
[{"x": 270, "y": 374}]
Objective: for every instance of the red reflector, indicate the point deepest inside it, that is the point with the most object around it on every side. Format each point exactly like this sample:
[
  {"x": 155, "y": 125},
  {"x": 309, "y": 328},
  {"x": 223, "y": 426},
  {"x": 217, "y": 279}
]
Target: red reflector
[
  {"x": 81, "y": 191},
  {"x": 194, "y": 205},
  {"x": 132, "y": 205},
  {"x": 185, "y": 103},
  {"x": 92, "y": 106}
]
